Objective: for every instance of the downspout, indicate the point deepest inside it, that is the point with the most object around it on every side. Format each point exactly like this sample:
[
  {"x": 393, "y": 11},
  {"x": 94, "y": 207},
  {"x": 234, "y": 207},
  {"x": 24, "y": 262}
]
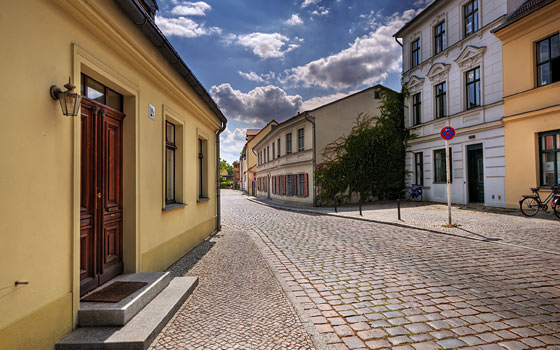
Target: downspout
[
  {"x": 312, "y": 121},
  {"x": 218, "y": 198},
  {"x": 398, "y": 42}
]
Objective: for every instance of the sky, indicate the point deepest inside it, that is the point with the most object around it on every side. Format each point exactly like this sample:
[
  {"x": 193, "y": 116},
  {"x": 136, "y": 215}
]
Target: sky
[{"x": 270, "y": 59}]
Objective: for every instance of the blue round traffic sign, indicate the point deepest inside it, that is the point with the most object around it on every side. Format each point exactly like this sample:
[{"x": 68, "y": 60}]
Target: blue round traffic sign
[{"x": 447, "y": 133}]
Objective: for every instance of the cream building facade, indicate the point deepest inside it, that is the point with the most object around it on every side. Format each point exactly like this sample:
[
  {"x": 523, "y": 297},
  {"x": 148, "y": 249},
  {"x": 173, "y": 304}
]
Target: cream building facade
[
  {"x": 72, "y": 218},
  {"x": 531, "y": 44},
  {"x": 452, "y": 67},
  {"x": 289, "y": 154}
]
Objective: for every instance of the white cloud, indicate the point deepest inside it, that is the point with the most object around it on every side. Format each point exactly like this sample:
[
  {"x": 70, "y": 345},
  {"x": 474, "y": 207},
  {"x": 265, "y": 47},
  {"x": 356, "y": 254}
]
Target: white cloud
[
  {"x": 252, "y": 76},
  {"x": 315, "y": 102},
  {"x": 368, "y": 60},
  {"x": 309, "y": 2},
  {"x": 184, "y": 27},
  {"x": 260, "y": 78},
  {"x": 321, "y": 11},
  {"x": 231, "y": 144},
  {"x": 191, "y": 9},
  {"x": 265, "y": 45},
  {"x": 294, "y": 20},
  {"x": 258, "y": 106}
]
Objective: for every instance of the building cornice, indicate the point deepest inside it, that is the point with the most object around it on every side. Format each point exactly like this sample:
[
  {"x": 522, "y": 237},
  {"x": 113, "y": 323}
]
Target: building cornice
[{"x": 460, "y": 44}]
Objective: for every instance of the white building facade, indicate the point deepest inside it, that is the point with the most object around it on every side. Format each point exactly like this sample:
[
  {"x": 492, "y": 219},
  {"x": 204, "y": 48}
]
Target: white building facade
[{"x": 452, "y": 67}]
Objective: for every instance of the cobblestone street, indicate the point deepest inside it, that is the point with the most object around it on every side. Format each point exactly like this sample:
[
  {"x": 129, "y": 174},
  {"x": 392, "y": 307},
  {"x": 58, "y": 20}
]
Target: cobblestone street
[{"x": 362, "y": 285}]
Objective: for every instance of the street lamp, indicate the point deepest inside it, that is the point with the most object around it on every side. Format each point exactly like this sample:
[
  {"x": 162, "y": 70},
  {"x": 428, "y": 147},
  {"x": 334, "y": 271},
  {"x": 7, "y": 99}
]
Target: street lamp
[{"x": 69, "y": 100}]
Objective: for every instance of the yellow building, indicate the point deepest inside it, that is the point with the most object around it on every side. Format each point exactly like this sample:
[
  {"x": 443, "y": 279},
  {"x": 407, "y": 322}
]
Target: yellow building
[
  {"x": 249, "y": 157},
  {"x": 127, "y": 185},
  {"x": 531, "y": 68}
]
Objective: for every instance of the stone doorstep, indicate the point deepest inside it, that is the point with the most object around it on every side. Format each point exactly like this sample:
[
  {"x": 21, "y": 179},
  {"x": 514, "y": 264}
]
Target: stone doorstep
[
  {"x": 118, "y": 314},
  {"x": 141, "y": 330}
]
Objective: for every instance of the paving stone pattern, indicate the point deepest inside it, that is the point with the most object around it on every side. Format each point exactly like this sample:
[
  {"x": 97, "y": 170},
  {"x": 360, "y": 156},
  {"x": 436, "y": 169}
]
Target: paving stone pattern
[
  {"x": 508, "y": 226},
  {"x": 238, "y": 303},
  {"x": 375, "y": 286}
]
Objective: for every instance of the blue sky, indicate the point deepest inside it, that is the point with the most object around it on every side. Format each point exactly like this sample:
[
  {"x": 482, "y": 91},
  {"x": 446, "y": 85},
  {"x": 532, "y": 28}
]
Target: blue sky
[{"x": 270, "y": 59}]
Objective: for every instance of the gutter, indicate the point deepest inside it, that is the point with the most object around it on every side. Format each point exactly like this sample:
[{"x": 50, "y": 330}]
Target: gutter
[
  {"x": 311, "y": 119},
  {"x": 218, "y": 196}
]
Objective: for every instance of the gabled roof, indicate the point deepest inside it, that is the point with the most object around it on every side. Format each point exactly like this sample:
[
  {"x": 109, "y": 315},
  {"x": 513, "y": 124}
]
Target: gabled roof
[
  {"x": 522, "y": 11},
  {"x": 145, "y": 23}
]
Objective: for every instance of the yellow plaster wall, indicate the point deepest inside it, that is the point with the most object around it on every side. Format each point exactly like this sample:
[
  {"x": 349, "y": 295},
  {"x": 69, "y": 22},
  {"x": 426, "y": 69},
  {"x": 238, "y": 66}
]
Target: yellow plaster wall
[
  {"x": 39, "y": 181},
  {"x": 528, "y": 109}
]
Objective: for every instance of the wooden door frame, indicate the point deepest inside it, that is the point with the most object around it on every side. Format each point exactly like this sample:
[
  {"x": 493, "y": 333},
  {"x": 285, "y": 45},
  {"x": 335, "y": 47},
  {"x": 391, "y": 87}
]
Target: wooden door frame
[{"x": 86, "y": 63}]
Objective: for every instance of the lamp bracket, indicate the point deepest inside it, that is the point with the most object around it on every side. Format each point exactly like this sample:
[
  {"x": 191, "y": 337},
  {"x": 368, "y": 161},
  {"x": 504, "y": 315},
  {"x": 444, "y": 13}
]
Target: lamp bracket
[{"x": 55, "y": 90}]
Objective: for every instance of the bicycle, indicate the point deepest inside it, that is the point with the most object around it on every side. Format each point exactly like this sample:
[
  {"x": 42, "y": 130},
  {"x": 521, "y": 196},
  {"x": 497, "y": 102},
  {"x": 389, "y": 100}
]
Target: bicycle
[
  {"x": 414, "y": 193},
  {"x": 531, "y": 204}
]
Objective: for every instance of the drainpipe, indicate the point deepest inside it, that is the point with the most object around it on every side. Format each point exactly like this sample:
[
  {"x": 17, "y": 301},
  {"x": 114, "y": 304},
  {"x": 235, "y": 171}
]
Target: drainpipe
[
  {"x": 311, "y": 119},
  {"x": 398, "y": 42},
  {"x": 218, "y": 198}
]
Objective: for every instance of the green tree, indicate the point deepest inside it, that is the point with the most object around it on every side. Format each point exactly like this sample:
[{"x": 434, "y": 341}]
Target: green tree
[{"x": 370, "y": 160}]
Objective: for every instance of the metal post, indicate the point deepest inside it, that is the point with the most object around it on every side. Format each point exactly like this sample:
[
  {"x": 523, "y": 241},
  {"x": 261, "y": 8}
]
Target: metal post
[
  {"x": 399, "y": 208},
  {"x": 448, "y": 172},
  {"x": 335, "y": 208},
  {"x": 361, "y": 205}
]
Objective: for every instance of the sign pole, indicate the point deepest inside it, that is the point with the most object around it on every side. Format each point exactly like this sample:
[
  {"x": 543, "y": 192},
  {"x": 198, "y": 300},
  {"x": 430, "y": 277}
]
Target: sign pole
[
  {"x": 448, "y": 133},
  {"x": 448, "y": 172}
]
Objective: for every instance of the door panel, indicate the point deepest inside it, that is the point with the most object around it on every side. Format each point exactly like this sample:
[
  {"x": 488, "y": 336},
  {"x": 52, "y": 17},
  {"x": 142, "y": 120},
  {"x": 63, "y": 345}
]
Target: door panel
[
  {"x": 101, "y": 193},
  {"x": 476, "y": 173}
]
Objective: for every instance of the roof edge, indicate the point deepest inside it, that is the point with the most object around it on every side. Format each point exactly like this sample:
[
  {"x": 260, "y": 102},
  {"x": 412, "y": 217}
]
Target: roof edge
[{"x": 147, "y": 26}]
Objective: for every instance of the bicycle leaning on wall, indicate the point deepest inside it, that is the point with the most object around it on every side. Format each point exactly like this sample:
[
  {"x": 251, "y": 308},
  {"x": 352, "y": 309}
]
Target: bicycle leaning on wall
[{"x": 531, "y": 204}]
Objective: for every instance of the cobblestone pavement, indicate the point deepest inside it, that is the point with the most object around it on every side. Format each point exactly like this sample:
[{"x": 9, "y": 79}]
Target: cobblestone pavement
[
  {"x": 238, "y": 303},
  {"x": 504, "y": 225},
  {"x": 372, "y": 286}
]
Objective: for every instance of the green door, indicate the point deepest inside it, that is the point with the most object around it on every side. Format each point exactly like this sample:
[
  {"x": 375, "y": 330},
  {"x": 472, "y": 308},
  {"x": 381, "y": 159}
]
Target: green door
[{"x": 476, "y": 173}]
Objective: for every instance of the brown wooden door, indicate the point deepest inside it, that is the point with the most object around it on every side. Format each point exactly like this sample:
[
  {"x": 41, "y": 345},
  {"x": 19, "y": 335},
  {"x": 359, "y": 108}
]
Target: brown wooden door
[{"x": 101, "y": 195}]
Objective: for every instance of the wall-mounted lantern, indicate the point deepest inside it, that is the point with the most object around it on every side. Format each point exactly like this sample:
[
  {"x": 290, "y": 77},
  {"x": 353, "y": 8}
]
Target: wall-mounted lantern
[{"x": 69, "y": 100}]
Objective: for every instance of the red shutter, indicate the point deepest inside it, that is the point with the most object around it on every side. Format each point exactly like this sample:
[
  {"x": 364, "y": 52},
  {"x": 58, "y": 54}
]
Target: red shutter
[{"x": 305, "y": 186}]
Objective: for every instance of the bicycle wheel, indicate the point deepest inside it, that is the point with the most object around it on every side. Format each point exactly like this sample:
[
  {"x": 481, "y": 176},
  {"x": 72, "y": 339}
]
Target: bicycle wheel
[
  {"x": 529, "y": 206},
  {"x": 417, "y": 197},
  {"x": 557, "y": 209}
]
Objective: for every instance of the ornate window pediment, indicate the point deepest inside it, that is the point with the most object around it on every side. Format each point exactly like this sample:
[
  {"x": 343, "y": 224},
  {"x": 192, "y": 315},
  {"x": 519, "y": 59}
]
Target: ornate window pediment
[
  {"x": 470, "y": 57},
  {"x": 438, "y": 72},
  {"x": 414, "y": 84}
]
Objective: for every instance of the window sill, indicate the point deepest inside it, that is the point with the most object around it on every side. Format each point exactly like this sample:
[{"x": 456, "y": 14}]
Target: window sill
[
  {"x": 202, "y": 199},
  {"x": 172, "y": 206}
]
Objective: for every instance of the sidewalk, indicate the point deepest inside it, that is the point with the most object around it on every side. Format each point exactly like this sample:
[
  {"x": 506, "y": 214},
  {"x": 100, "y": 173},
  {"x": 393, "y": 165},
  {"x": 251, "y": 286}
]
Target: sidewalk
[{"x": 503, "y": 226}]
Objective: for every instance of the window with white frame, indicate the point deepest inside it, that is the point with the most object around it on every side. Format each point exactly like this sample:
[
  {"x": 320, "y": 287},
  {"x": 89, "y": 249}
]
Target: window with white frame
[
  {"x": 289, "y": 143},
  {"x": 548, "y": 60},
  {"x": 472, "y": 81},
  {"x": 439, "y": 38},
  {"x": 470, "y": 13},
  {"x": 440, "y": 170},
  {"x": 416, "y": 109},
  {"x": 301, "y": 135},
  {"x": 415, "y": 52},
  {"x": 440, "y": 99}
]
